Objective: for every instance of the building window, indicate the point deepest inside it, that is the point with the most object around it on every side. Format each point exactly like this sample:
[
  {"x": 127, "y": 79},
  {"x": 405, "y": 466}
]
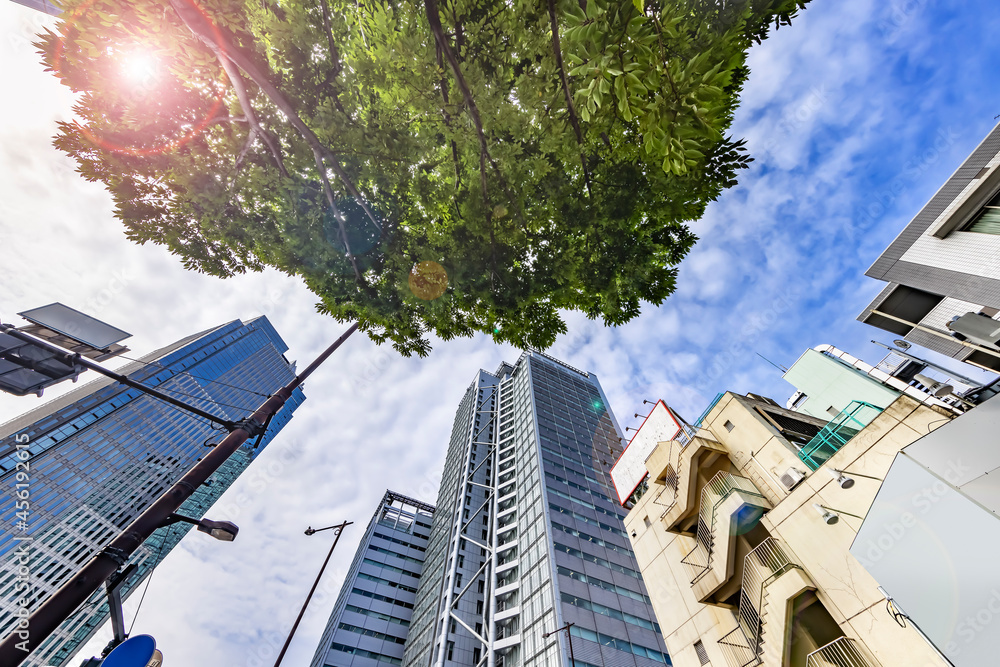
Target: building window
[
  {"x": 451, "y": 651},
  {"x": 476, "y": 653},
  {"x": 646, "y": 521},
  {"x": 699, "y": 648},
  {"x": 729, "y": 425},
  {"x": 988, "y": 220}
]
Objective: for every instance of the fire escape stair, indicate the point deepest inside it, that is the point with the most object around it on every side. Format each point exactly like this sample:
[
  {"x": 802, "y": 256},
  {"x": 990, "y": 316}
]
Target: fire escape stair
[
  {"x": 735, "y": 514},
  {"x": 680, "y": 473}
]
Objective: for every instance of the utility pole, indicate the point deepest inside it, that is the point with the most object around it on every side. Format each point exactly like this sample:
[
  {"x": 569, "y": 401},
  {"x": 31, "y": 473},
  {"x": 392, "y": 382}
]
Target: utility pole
[
  {"x": 310, "y": 531},
  {"x": 47, "y": 618},
  {"x": 569, "y": 639}
]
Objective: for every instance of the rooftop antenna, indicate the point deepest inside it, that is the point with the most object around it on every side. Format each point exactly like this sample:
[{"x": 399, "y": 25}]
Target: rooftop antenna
[{"x": 780, "y": 368}]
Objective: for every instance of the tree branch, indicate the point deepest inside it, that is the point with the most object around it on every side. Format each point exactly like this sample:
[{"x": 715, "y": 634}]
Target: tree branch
[
  {"x": 337, "y": 215},
  {"x": 248, "y": 110},
  {"x": 334, "y": 53},
  {"x": 574, "y": 121},
  {"x": 434, "y": 18},
  {"x": 227, "y": 52},
  {"x": 447, "y": 119}
]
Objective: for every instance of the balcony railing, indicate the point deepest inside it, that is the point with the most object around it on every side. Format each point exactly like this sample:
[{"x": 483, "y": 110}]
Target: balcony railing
[
  {"x": 842, "y": 652},
  {"x": 837, "y": 433},
  {"x": 764, "y": 564},
  {"x": 715, "y": 492}
]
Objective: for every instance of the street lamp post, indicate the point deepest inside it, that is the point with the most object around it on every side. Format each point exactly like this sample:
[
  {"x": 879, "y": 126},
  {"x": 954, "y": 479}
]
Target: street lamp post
[
  {"x": 47, "y": 618},
  {"x": 569, "y": 640},
  {"x": 310, "y": 531}
]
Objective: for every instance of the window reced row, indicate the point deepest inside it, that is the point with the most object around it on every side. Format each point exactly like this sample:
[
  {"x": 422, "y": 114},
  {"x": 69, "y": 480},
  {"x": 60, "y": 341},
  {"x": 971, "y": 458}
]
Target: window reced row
[
  {"x": 620, "y": 644},
  {"x": 583, "y": 603}
]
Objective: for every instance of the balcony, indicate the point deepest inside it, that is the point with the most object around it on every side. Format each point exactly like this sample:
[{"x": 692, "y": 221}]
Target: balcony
[
  {"x": 837, "y": 433},
  {"x": 730, "y": 505},
  {"x": 842, "y": 652},
  {"x": 744, "y": 645}
]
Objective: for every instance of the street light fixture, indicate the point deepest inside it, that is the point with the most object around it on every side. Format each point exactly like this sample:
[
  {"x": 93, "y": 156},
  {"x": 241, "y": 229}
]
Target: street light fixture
[
  {"x": 224, "y": 531},
  {"x": 311, "y": 531},
  {"x": 569, "y": 639}
]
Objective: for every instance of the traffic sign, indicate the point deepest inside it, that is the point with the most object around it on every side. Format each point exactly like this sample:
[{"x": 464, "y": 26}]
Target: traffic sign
[{"x": 133, "y": 652}]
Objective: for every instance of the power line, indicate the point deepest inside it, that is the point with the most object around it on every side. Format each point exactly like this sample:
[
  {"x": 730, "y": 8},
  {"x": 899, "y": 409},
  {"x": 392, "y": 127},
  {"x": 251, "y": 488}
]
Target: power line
[
  {"x": 149, "y": 579},
  {"x": 208, "y": 400},
  {"x": 177, "y": 372}
]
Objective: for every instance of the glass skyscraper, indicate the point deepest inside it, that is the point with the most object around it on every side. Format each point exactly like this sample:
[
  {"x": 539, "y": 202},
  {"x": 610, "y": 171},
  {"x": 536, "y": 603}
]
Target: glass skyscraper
[
  {"x": 371, "y": 618},
  {"x": 526, "y": 537},
  {"x": 100, "y": 454}
]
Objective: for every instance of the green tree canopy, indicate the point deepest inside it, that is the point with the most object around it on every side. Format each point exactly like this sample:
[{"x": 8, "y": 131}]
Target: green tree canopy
[{"x": 546, "y": 153}]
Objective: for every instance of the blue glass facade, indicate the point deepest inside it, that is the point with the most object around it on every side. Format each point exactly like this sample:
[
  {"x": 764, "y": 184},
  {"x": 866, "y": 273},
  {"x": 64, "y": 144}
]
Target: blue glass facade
[
  {"x": 102, "y": 453},
  {"x": 371, "y": 618},
  {"x": 526, "y": 536}
]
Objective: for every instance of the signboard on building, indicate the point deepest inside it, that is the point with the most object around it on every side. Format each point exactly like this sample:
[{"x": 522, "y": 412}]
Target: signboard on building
[{"x": 659, "y": 426}]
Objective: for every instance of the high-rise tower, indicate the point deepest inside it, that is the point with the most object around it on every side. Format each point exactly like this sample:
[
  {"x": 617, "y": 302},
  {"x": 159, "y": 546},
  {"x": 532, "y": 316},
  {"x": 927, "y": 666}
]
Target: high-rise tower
[
  {"x": 371, "y": 619},
  {"x": 95, "y": 458},
  {"x": 526, "y": 537}
]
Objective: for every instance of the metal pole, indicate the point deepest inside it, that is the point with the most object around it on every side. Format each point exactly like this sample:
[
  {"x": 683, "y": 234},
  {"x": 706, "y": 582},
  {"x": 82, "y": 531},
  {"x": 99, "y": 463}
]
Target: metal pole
[
  {"x": 50, "y": 615},
  {"x": 291, "y": 633},
  {"x": 76, "y": 358},
  {"x": 940, "y": 334},
  {"x": 569, "y": 640}
]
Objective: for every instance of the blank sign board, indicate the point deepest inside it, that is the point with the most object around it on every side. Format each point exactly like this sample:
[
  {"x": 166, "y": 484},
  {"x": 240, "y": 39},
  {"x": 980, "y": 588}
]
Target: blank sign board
[
  {"x": 76, "y": 325},
  {"x": 630, "y": 470}
]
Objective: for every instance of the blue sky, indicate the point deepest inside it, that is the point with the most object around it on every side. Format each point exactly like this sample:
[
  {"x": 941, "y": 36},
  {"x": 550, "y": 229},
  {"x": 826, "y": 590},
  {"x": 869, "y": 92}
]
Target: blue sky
[{"x": 856, "y": 114}]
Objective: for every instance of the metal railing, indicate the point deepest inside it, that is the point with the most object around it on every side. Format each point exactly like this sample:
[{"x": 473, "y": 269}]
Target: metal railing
[
  {"x": 715, "y": 492},
  {"x": 672, "y": 481},
  {"x": 841, "y": 652},
  {"x": 736, "y": 647},
  {"x": 837, "y": 433},
  {"x": 765, "y": 563}
]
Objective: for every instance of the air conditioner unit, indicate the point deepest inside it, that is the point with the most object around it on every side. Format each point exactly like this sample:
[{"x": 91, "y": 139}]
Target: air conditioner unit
[
  {"x": 792, "y": 477},
  {"x": 976, "y": 327}
]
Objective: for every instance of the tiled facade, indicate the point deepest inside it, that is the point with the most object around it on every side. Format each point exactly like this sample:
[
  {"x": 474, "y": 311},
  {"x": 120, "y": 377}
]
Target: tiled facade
[
  {"x": 102, "y": 453},
  {"x": 526, "y": 537},
  {"x": 371, "y": 618},
  {"x": 936, "y": 268}
]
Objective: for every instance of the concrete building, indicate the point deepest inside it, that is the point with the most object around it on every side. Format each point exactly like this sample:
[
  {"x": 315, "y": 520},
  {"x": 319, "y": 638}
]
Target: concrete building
[
  {"x": 372, "y": 615},
  {"x": 526, "y": 536},
  {"x": 743, "y": 536},
  {"x": 932, "y": 536},
  {"x": 944, "y": 263},
  {"x": 827, "y": 380},
  {"x": 99, "y": 455}
]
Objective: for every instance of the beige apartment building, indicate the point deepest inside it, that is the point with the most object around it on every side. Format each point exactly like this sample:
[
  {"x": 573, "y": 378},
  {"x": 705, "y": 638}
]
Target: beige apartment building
[{"x": 743, "y": 536}]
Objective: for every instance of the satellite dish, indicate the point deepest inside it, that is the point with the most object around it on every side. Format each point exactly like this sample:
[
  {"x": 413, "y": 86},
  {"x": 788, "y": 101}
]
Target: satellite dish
[
  {"x": 135, "y": 651},
  {"x": 901, "y": 344}
]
